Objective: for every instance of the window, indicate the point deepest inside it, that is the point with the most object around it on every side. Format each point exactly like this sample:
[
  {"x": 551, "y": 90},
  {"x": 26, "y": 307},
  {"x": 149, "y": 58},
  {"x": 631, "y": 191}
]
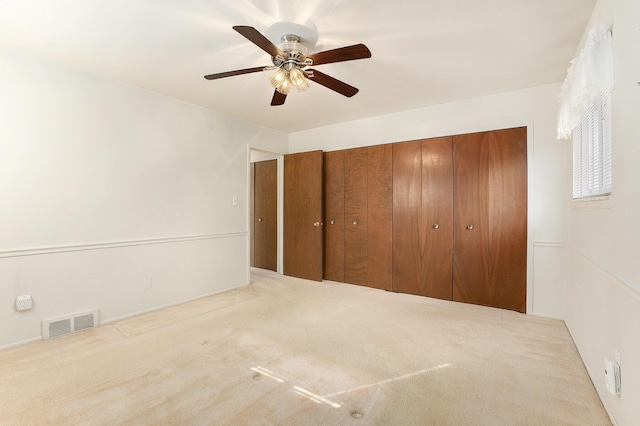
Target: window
[
  {"x": 592, "y": 150},
  {"x": 585, "y": 114}
]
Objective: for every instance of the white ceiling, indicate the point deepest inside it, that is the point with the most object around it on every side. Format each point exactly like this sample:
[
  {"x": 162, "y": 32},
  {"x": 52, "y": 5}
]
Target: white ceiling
[{"x": 425, "y": 52}]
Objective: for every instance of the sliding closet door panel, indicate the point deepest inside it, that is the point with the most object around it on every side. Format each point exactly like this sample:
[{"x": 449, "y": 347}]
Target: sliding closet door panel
[
  {"x": 252, "y": 207},
  {"x": 355, "y": 215},
  {"x": 379, "y": 216},
  {"x": 266, "y": 215},
  {"x": 490, "y": 218},
  {"x": 407, "y": 235},
  {"x": 436, "y": 220},
  {"x": 334, "y": 216},
  {"x": 303, "y": 215},
  {"x": 422, "y": 217}
]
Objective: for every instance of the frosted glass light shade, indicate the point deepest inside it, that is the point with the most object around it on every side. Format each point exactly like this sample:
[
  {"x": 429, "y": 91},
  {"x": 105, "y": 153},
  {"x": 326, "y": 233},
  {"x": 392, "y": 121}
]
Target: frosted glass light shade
[
  {"x": 280, "y": 81},
  {"x": 298, "y": 79}
]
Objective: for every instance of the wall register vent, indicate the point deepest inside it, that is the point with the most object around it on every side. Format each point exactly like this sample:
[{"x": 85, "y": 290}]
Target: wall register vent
[{"x": 69, "y": 324}]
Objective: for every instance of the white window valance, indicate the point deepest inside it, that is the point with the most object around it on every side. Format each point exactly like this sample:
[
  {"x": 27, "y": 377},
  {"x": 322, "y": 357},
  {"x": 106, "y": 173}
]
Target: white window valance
[{"x": 589, "y": 75}]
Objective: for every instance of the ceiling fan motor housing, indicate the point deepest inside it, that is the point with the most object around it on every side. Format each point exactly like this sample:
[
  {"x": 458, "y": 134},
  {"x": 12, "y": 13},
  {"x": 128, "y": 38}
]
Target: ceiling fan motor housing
[{"x": 295, "y": 53}]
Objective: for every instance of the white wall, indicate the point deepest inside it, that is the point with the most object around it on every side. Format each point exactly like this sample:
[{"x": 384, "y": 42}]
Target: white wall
[
  {"x": 535, "y": 108},
  {"x": 103, "y": 184},
  {"x": 603, "y": 292}
]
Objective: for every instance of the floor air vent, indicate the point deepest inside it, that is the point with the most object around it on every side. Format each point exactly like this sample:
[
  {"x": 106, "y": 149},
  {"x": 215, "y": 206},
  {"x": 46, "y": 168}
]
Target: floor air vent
[{"x": 69, "y": 324}]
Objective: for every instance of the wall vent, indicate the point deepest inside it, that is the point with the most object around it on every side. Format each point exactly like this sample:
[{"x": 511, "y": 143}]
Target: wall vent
[
  {"x": 60, "y": 327},
  {"x": 69, "y": 324}
]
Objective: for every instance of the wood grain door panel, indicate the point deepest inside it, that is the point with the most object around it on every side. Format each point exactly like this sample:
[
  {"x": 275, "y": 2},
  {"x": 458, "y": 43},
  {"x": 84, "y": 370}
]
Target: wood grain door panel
[
  {"x": 422, "y": 217},
  {"x": 265, "y": 218},
  {"x": 302, "y": 245},
  {"x": 252, "y": 210},
  {"x": 334, "y": 216},
  {"x": 379, "y": 216},
  {"x": 490, "y": 175},
  {"x": 436, "y": 217},
  {"x": 355, "y": 216},
  {"x": 407, "y": 203}
]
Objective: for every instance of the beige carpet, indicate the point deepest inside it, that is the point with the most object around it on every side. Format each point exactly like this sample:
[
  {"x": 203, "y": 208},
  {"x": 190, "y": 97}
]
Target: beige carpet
[{"x": 292, "y": 352}]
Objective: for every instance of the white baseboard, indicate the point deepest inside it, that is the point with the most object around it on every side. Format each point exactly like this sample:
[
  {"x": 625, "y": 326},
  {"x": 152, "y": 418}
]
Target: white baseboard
[
  {"x": 20, "y": 343},
  {"x": 168, "y": 305}
]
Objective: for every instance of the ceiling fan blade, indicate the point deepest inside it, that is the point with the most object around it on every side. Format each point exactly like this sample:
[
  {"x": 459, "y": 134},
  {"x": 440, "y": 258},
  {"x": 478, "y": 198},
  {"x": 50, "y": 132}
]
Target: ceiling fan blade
[
  {"x": 349, "y": 53},
  {"x": 278, "y": 98},
  {"x": 332, "y": 83},
  {"x": 232, "y": 73},
  {"x": 255, "y": 37}
]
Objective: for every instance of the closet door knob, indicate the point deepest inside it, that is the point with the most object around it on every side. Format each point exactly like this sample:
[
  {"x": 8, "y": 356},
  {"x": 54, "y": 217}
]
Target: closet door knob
[
  {"x": 469, "y": 227},
  {"x": 436, "y": 225},
  {"x": 316, "y": 224},
  {"x": 259, "y": 219},
  {"x": 333, "y": 222},
  {"x": 355, "y": 222}
]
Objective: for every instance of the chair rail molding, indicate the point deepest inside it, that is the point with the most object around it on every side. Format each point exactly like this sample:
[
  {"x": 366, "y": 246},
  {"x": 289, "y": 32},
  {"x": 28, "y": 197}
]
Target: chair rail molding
[{"x": 34, "y": 251}]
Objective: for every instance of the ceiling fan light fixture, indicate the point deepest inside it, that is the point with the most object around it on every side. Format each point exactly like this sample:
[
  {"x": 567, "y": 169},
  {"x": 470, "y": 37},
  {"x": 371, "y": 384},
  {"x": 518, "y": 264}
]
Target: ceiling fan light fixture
[
  {"x": 278, "y": 77},
  {"x": 298, "y": 79},
  {"x": 280, "y": 81},
  {"x": 284, "y": 87}
]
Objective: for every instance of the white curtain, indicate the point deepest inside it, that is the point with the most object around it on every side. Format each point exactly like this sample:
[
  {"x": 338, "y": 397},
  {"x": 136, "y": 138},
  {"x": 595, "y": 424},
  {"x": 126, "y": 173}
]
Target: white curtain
[{"x": 590, "y": 74}]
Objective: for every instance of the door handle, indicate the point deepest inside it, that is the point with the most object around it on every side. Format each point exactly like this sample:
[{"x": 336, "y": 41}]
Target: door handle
[
  {"x": 259, "y": 219},
  {"x": 333, "y": 222},
  {"x": 469, "y": 227},
  {"x": 436, "y": 225},
  {"x": 355, "y": 222},
  {"x": 316, "y": 224}
]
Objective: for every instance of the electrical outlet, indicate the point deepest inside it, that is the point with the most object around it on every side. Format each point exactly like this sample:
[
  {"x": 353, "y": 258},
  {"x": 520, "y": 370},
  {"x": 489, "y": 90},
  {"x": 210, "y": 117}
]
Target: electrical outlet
[
  {"x": 148, "y": 283},
  {"x": 612, "y": 375},
  {"x": 23, "y": 303}
]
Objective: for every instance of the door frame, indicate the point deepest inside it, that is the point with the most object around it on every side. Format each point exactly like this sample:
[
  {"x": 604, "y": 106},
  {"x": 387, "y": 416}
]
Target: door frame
[{"x": 256, "y": 154}]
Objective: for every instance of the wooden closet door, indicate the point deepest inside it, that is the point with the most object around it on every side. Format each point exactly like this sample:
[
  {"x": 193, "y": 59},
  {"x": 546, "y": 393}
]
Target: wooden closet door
[
  {"x": 334, "y": 216},
  {"x": 422, "y": 217},
  {"x": 265, "y": 215},
  {"x": 436, "y": 217},
  {"x": 379, "y": 216},
  {"x": 302, "y": 245},
  {"x": 252, "y": 210},
  {"x": 490, "y": 218},
  {"x": 407, "y": 203},
  {"x": 355, "y": 216}
]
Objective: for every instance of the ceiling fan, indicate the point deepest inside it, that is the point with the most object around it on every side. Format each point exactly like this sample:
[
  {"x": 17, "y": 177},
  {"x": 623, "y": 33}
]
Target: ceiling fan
[{"x": 290, "y": 61}]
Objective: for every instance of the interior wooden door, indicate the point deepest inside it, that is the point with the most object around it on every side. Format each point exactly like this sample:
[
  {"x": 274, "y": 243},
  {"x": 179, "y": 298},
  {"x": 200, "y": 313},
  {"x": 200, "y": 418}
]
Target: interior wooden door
[
  {"x": 265, "y": 217},
  {"x": 334, "y": 216},
  {"x": 252, "y": 208},
  {"x": 436, "y": 225},
  {"x": 407, "y": 203},
  {"x": 355, "y": 216},
  {"x": 490, "y": 218},
  {"x": 379, "y": 216},
  {"x": 423, "y": 217},
  {"x": 302, "y": 245}
]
